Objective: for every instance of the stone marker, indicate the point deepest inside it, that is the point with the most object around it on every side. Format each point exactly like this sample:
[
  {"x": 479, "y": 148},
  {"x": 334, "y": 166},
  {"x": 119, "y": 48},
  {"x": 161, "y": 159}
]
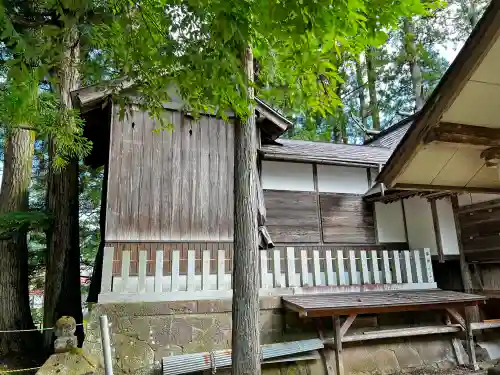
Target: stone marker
[
  {"x": 65, "y": 333},
  {"x": 68, "y": 358}
]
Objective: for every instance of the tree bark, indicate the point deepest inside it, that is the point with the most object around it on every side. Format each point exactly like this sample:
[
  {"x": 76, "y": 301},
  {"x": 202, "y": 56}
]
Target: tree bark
[
  {"x": 361, "y": 94},
  {"x": 245, "y": 334},
  {"x": 62, "y": 282},
  {"x": 470, "y": 11},
  {"x": 372, "y": 89},
  {"x": 412, "y": 58},
  {"x": 15, "y": 311}
]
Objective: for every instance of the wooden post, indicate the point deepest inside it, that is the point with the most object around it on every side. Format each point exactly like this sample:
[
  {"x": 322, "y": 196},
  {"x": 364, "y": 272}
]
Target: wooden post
[
  {"x": 464, "y": 266},
  {"x": 338, "y": 346},
  {"x": 469, "y": 338},
  {"x": 437, "y": 230},
  {"x": 245, "y": 338},
  {"x": 455, "y": 341}
]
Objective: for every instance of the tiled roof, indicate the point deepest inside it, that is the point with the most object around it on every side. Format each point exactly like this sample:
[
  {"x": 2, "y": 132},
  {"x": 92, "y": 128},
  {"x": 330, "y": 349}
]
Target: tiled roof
[
  {"x": 391, "y": 136},
  {"x": 326, "y": 152},
  {"x": 391, "y": 139}
]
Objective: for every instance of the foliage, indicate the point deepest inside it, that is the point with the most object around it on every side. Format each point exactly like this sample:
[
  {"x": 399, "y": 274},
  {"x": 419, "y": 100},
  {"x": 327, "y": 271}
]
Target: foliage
[
  {"x": 24, "y": 105},
  {"x": 196, "y": 47}
]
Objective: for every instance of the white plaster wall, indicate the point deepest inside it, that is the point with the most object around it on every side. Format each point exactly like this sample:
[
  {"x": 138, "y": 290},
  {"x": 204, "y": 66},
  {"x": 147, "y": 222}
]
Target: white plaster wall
[
  {"x": 277, "y": 175},
  {"x": 390, "y": 222},
  {"x": 373, "y": 174},
  {"x": 447, "y": 226},
  {"x": 340, "y": 179},
  {"x": 419, "y": 224}
]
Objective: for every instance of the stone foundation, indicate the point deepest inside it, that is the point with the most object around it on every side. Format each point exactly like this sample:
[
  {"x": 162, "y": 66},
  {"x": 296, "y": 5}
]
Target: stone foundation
[{"x": 143, "y": 333}]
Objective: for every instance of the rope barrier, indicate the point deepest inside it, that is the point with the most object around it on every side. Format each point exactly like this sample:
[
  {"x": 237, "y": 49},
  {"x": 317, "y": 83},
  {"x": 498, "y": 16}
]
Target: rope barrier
[
  {"x": 33, "y": 329},
  {"x": 18, "y": 370}
]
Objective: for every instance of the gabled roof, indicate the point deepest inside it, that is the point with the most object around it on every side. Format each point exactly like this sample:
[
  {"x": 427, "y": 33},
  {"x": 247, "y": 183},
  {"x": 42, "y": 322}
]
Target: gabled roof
[
  {"x": 271, "y": 122},
  {"x": 326, "y": 153},
  {"x": 444, "y": 149},
  {"x": 392, "y": 135}
]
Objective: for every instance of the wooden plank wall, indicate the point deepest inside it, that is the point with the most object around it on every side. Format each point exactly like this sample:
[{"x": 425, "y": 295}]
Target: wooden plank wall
[
  {"x": 346, "y": 219},
  {"x": 170, "y": 185},
  {"x": 480, "y": 225},
  {"x": 295, "y": 217},
  {"x": 292, "y": 216}
]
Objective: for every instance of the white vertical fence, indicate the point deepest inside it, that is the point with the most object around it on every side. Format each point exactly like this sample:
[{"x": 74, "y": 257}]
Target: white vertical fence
[{"x": 283, "y": 271}]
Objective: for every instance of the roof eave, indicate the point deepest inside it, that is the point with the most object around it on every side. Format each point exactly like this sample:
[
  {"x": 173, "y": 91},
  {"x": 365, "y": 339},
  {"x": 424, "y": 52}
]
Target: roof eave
[
  {"x": 473, "y": 52},
  {"x": 318, "y": 159}
]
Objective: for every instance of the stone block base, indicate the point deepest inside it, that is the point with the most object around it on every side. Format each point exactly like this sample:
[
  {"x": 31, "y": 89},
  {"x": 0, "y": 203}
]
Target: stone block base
[{"x": 143, "y": 333}]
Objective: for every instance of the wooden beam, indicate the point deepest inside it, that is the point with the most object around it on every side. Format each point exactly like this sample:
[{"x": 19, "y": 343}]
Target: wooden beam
[
  {"x": 457, "y": 317},
  {"x": 475, "y": 49},
  {"x": 347, "y": 324},
  {"x": 447, "y": 188},
  {"x": 437, "y": 230},
  {"x": 464, "y": 134},
  {"x": 397, "y": 333},
  {"x": 326, "y": 354},
  {"x": 456, "y": 344}
]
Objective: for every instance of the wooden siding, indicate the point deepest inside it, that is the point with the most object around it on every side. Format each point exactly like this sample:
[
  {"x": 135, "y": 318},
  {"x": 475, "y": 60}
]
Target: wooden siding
[
  {"x": 170, "y": 185},
  {"x": 292, "y": 216},
  {"x": 480, "y": 225},
  {"x": 296, "y": 217},
  {"x": 346, "y": 219}
]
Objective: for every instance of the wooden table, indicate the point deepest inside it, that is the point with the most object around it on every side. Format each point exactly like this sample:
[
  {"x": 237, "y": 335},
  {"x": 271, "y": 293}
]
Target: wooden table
[{"x": 353, "y": 304}]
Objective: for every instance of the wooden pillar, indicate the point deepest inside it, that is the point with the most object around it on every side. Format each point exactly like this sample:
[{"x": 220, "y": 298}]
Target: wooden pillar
[
  {"x": 338, "y": 346},
  {"x": 473, "y": 312},
  {"x": 437, "y": 230}
]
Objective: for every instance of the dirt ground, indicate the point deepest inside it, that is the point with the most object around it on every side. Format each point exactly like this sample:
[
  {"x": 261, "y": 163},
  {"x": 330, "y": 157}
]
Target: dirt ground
[
  {"x": 453, "y": 371},
  {"x": 17, "y": 363}
]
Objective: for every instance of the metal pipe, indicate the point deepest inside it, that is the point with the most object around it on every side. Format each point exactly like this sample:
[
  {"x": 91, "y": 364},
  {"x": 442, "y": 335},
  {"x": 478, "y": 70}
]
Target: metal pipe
[{"x": 106, "y": 345}]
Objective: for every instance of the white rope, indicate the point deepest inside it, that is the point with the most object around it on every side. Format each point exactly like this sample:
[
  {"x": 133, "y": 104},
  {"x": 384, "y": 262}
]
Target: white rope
[
  {"x": 33, "y": 329},
  {"x": 2, "y": 371}
]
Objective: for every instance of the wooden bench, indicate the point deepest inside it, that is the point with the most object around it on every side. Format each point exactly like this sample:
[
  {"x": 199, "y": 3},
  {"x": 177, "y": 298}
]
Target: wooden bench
[{"x": 354, "y": 304}]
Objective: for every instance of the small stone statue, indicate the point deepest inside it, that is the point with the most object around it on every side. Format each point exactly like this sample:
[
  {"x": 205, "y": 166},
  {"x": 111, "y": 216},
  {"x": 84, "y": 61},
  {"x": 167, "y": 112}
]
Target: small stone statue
[{"x": 65, "y": 333}]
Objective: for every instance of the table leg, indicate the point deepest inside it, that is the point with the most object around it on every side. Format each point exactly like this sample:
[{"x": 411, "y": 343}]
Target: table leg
[
  {"x": 471, "y": 350},
  {"x": 455, "y": 342},
  {"x": 338, "y": 346}
]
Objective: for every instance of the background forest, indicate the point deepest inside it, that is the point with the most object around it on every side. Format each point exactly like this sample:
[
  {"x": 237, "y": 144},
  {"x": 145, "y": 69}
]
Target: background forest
[{"x": 50, "y": 48}]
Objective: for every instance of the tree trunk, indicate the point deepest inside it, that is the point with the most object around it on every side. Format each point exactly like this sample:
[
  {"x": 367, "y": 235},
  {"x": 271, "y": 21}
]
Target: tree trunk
[
  {"x": 412, "y": 58},
  {"x": 361, "y": 94},
  {"x": 14, "y": 294},
  {"x": 245, "y": 335},
  {"x": 372, "y": 89},
  {"x": 470, "y": 11},
  {"x": 62, "y": 282}
]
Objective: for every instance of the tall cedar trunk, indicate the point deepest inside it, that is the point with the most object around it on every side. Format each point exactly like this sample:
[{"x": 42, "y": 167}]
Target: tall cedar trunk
[
  {"x": 62, "y": 282},
  {"x": 412, "y": 58},
  {"x": 14, "y": 295},
  {"x": 372, "y": 88},
  {"x": 470, "y": 11},
  {"x": 246, "y": 345},
  {"x": 361, "y": 94}
]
